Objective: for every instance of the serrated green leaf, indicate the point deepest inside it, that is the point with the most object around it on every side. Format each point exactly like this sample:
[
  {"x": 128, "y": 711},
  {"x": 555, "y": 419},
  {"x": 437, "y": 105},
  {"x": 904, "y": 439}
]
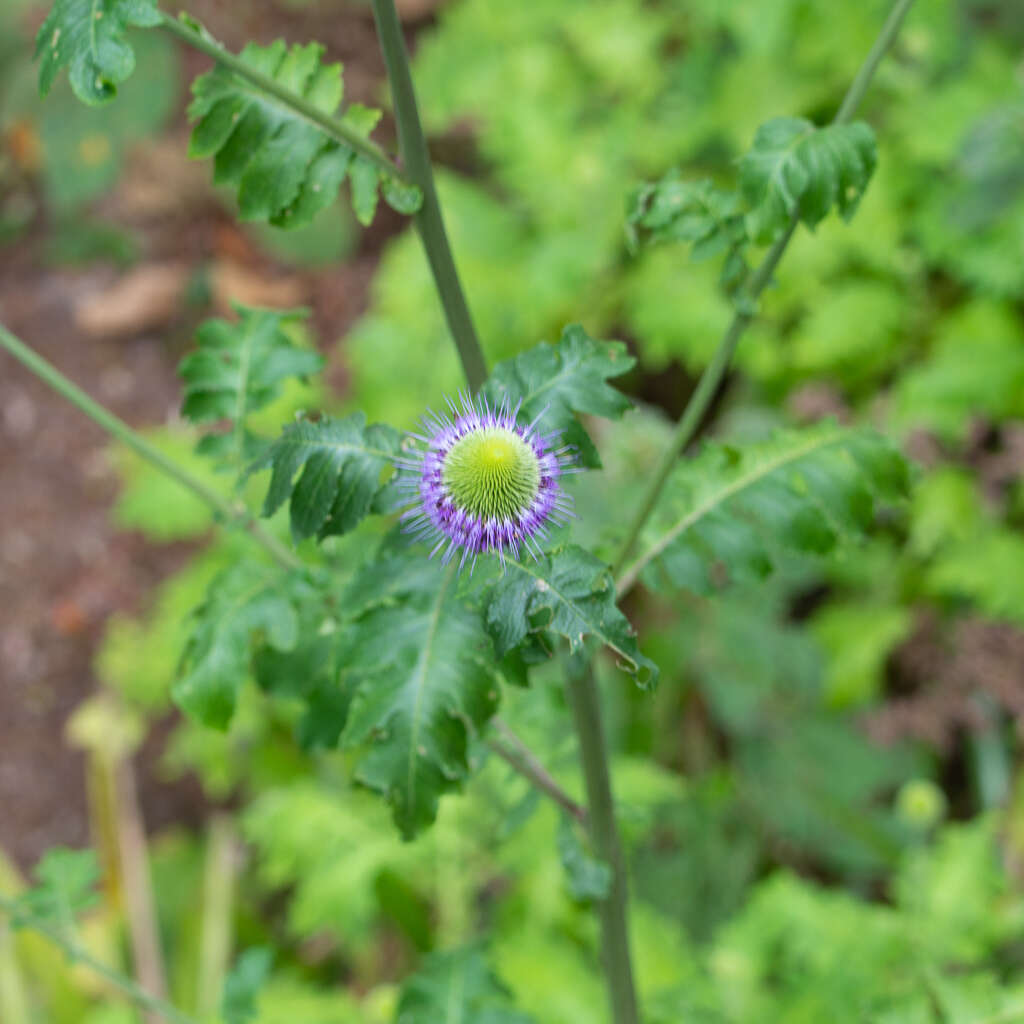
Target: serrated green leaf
[
  {"x": 245, "y": 601},
  {"x": 723, "y": 512},
  {"x": 457, "y": 986},
  {"x": 89, "y": 37},
  {"x": 342, "y": 462},
  {"x": 285, "y": 168},
  {"x": 242, "y": 986},
  {"x": 795, "y": 167},
  {"x": 421, "y": 669},
  {"x": 569, "y": 592},
  {"x": 239, "y": 368},
  {"x": 65, "y": 885},
  {"x": 555, "y": 382}
]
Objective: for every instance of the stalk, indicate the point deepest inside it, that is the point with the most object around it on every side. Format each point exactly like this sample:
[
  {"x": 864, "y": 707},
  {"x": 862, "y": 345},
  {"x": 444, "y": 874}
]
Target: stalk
[
  {"x": 584, "y": 700},
  {"x": 716, "y": 369},
  {"x": 234, "y": 514},
  {"x": 416, "y": 159}
]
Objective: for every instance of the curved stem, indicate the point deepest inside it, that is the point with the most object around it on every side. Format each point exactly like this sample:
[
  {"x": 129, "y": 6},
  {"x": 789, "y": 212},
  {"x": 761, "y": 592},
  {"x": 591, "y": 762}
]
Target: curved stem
[
  {"x": 332, "y": 126},
  {"x": 429, "y": 222},
  {"x": 77, "y": 954},
  {"x": 230, "y": 512},
  {"x": 584, "y": 700},
  {"x": 716, "y": 369}
]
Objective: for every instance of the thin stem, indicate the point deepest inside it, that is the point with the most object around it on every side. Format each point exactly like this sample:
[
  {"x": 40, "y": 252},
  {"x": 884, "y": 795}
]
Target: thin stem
[
  {"x": 429, "y": 222},
  {"x": 716, "y": 369},
  {"x": 77, "y": 954},
  {"x": 331, "y": 126},
  {"x": 512, "y": 749},
  {"x": 230, "y": 512},
  {"x": 586, "y": 709}
]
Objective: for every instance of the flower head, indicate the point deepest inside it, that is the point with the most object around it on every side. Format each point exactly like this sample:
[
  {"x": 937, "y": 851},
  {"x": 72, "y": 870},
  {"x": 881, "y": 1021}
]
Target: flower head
[{"x": 483, "y": 482}]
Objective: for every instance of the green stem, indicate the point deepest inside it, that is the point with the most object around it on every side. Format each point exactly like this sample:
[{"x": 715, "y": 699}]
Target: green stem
[
  {"x": 77, "y": 954},
  {"x": 331, "y": 126},
  {"x": 716, "y": 369},
  {"x": 586, "y": 709},
  {"x": 429, "y": 222},
  {"x": 230, "y": 512}
]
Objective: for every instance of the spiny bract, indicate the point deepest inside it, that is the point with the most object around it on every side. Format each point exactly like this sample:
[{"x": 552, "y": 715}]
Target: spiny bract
[{"x": 484, "y": 483}]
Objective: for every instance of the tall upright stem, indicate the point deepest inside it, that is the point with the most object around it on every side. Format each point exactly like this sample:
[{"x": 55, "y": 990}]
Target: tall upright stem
[
  {"x": 232, "y": 513},
  {"x": 581, "y": 688},
  {"x": 716, "y": 369},
  {"x": 416, "y": 163}
]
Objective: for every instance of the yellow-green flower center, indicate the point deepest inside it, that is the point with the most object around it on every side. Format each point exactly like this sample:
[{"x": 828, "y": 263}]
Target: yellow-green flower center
[{"x": 492, "y": 473}]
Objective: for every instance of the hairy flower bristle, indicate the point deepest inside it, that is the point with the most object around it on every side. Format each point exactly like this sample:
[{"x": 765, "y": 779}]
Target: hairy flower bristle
[{"x": 483, "y": 482}]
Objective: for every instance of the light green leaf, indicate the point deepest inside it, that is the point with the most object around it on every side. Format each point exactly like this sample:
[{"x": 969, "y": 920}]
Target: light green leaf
[
  {"x": 65, "y": 885},
  {"x": 588, "y": 878},
  {"x": 569, "y": 592},
  {"x": 242, "y": 986},
  {"x": 342, "y": 463},
  {"x": 724, "y": 512},
  {"x": 794, "y": 167},
  {"x": 555, "y": 382},
  {"x": 89, "y": 37}
]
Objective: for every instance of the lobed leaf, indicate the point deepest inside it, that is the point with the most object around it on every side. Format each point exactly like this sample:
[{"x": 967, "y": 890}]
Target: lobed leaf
[
  {"x": 237, "y": 369},
  {"x": 457, "y": 986},
  {"x": 570, "y": 592},
  {"x": 724, "y": 511},
  {"x": 89, "y": 37},
  {"x": 420, "y": 668},
  {"x": 342, "y": 462},
  {"x": 554, "y": 382},
  {"x": 797, "y": 168},
  {"x": 65, "y": 885},
  {"x": 286, "y": 169},
  {"x": 243, "y": 602}
]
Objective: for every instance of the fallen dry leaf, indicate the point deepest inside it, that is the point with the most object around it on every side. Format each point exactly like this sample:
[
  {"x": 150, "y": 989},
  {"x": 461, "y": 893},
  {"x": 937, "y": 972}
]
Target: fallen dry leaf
[
  {"x": 141, "y": 300},
  {"x": 232, "y": 282}
]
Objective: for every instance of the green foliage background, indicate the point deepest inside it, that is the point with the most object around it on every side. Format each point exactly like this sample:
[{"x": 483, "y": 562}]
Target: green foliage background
[{"x": 787, "y": 866}]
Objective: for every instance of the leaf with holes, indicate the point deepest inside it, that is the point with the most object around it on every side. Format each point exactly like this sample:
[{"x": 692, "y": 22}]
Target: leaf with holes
[
  {"x": 555, "y": 382},
  {"x": 457, "y": 985},
  {"x": 342, "y": 463},
  {"x": 724, "y": 512},
  {"x": 569, "y": 592},
  {"x": 89, "y": 37},
  {"x": 421, "y": 670},
  {"x": 797, "y": 168},
  {"x": 237, "y": 369},
  {"x": 245, "y": 605},
  {"x": 286, "y": 169}
]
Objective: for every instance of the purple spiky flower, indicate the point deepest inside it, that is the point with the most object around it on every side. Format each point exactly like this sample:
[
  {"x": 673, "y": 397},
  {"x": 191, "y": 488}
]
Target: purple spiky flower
[{"x": 483, "y": 482}]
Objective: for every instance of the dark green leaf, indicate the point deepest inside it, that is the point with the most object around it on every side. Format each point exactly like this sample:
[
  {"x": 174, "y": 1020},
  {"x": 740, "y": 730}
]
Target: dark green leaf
[
  {"x": 569, "y": 592},
  {"x": 244, "y": 602},
  {"x": 342, "y": 463},
  {"x": 89, "y": 37},
  {"x": 555, "y": 382},
  {"x": 285, "y": 168},
  {"x": 243, "y": 984},
  {"x": 457, "y": 986},
  {"x": 239, "y": 368},
  {"x": 724, "y": 511},
  {"x": 796, "y": 167},
  {"x": 421, "y": 669}
]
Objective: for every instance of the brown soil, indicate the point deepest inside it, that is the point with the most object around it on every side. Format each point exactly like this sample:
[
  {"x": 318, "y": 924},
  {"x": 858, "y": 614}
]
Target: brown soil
[{"x": 64, "y": 569}]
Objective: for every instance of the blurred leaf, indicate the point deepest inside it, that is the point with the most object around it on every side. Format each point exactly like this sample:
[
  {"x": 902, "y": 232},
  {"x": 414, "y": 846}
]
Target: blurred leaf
[
  {"x": 569, "y": 592},
  {"x": 89, "y": 38},
  {"x": 796, "y": 168},
  {"x": 725, "y": 510},
  {"x": 342, "y": 463},
  {"x": 588, "y": 878},
  {"x": 237, "y": 369},
  {"x": 242, "y": 986},
  {"x": 554, "y": 382},
  {"x": 65, "y": 885},
  {"x": 457, "y": 986}
]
